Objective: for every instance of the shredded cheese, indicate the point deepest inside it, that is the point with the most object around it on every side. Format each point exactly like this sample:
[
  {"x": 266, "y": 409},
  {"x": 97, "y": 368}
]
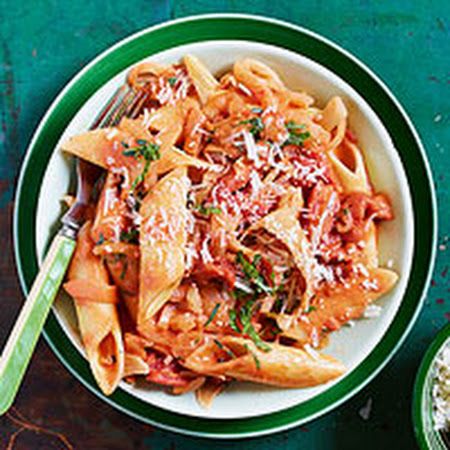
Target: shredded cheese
[
  {"x": 441, "y": 389},
  {"x": 244, "y": 89},
  {"x": 110, "y": 135},
  {"x": 204, "y": 251}
]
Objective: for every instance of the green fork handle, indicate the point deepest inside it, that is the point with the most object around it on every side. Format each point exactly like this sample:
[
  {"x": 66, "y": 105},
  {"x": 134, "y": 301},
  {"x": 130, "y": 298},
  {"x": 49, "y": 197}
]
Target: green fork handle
[{"x": 25, "y": 333}]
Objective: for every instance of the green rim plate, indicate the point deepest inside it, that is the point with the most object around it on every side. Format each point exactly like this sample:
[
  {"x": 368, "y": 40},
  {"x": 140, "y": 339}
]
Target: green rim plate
[
  {"x": 284, "y": 35},
  {"x": 427, "y": 437}
]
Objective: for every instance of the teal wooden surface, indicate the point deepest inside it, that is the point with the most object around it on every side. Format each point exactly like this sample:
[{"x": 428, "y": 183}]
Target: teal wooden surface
[{"x": 44, "y": 43}]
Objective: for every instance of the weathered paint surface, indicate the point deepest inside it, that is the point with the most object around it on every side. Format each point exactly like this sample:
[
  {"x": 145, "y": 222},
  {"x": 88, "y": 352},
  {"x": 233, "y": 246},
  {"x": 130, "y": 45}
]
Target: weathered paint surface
[{"x": 44, "y": 43}]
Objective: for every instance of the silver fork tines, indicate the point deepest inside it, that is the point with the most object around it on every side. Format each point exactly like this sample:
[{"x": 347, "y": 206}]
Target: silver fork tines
[{"x": 124, "y": 103}]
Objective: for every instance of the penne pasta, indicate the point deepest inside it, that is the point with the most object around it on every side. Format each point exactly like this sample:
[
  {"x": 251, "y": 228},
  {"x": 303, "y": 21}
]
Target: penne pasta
[
  {"x": 203, "y": 80},
  {"x": 95, "y": 302},
  {"x": 235, "y": 228},
  {"x": 279, "y": 366},
  {"x": 333, "y": 307},
  {"x": 334, "y": 117},
  {"x": 348, "y": 164},
  {"x": 162, "y": 242},
  {"x": 284, "y": 224}
]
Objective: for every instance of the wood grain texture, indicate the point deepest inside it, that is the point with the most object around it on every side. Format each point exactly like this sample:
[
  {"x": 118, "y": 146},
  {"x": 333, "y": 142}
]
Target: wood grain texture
[{"x": 44, "y": 43}]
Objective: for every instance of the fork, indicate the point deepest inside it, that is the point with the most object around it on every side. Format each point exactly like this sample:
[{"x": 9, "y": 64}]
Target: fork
[{"x": 25, "y": 333}]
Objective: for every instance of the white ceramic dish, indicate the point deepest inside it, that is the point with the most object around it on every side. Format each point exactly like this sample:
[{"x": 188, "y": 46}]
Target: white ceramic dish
[{"x": 351, "y": 345}]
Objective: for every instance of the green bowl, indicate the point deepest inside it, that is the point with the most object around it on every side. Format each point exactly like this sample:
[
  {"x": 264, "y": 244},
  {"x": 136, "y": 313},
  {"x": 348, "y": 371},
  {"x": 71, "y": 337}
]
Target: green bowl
[{"x": 427, "y": 437}]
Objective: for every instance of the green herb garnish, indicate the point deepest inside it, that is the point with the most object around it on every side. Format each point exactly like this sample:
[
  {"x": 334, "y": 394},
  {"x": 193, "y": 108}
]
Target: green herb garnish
[
  {"x": 310, "y": 309},
  {"x": 245, "y": 316},
  {"x": 292, "y": 126},
  {"x": 101, "y": 239},
  {"x": 256, "y": 338},
  {"x": 296, "y": 136},
  {"x": 223, "y": 348},
  {"x": 208, "y": 210},
  {"x": 131, "y": 236},
  {"x": 252, "y": 273},
  {"x": 346, "y": 211},
  {"x": 129, "y": 152},
  {"x": 255, "y": 358},
  {"x": 239, "y": 294},
  {"x": 233, "y": 320},
  {"x": 172, "y": 81},
  {"x": 256, "y": 128},
  {"x": 147, "y": 150},
  {"x": 212, "y": 315}
]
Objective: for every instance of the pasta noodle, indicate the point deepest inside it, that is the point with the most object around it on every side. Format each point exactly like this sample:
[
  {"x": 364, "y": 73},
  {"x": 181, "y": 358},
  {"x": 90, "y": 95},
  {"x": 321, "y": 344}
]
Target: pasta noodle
[
  {"x": 95, "y": 301},
  {"x": 235, "y": 228},
  {"x": 162, "y": 242}
]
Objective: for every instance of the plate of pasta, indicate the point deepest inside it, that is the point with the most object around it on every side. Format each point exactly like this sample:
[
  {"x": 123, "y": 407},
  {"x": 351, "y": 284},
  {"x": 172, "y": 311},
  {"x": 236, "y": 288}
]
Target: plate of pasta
[{"x": 251, "y": 250}]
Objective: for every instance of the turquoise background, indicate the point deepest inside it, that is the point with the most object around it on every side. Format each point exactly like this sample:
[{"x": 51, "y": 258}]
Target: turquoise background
[{"x": 44, "y": 43}]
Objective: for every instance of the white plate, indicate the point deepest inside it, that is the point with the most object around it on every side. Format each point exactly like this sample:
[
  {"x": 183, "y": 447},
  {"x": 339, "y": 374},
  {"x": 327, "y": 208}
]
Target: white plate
[{"x": 351, "y": 345}]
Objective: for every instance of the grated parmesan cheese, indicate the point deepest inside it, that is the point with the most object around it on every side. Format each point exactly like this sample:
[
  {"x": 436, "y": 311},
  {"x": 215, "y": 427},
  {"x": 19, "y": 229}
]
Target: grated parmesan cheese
[
  {"x": 441, "y": 389},
  {"x": 255, "y": 183},
  {"x": 204, "y": 251},
  {"x": 110, "y": 200},
  {"x": 146, "y": 118},
  {"x": 251, "y": 148},
  {"x": 370, "y": 285},
  {"x": 190, "y": 255},
  {"x": 110, "y": 135},
  {"x": 269, "y": 110},
  {"x": 165, "y": 95},
  {"x": 309, "y": 173},
  {"x": 311, "y": 352},
  {"x": 240, "y": 284},
  {"x": 244, "y": 89},
  {"x": 362, "y": 269}
]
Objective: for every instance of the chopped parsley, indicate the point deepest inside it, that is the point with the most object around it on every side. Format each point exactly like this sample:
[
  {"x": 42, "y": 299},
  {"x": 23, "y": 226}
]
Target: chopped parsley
[
  {"x": 292, "y": 126},
  {"x": 245, "y": 316},
  {"x": 101, "y": 239},
  {"x": 240, "y": 320},
  {"x": 147, "y": 150},
  {"x": 233, "y": 320},
  {"x": 256, "y": 338},
  {"x": 172, "y": 81},
  {"x": 131, "y": 236},
  {"x": 256, "y": 126},
  {"x": 310, "y": 309},
  {"x": 255, "y": 358},
  {"x": 212, "y": 315},
  {"x": 223, "y": 348},
  {"x": 252, "y": 273},
  {"x": 346, "y": 211},
  {"x": 296, "y": 134},
  {"x": 207, "y": 210}
]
